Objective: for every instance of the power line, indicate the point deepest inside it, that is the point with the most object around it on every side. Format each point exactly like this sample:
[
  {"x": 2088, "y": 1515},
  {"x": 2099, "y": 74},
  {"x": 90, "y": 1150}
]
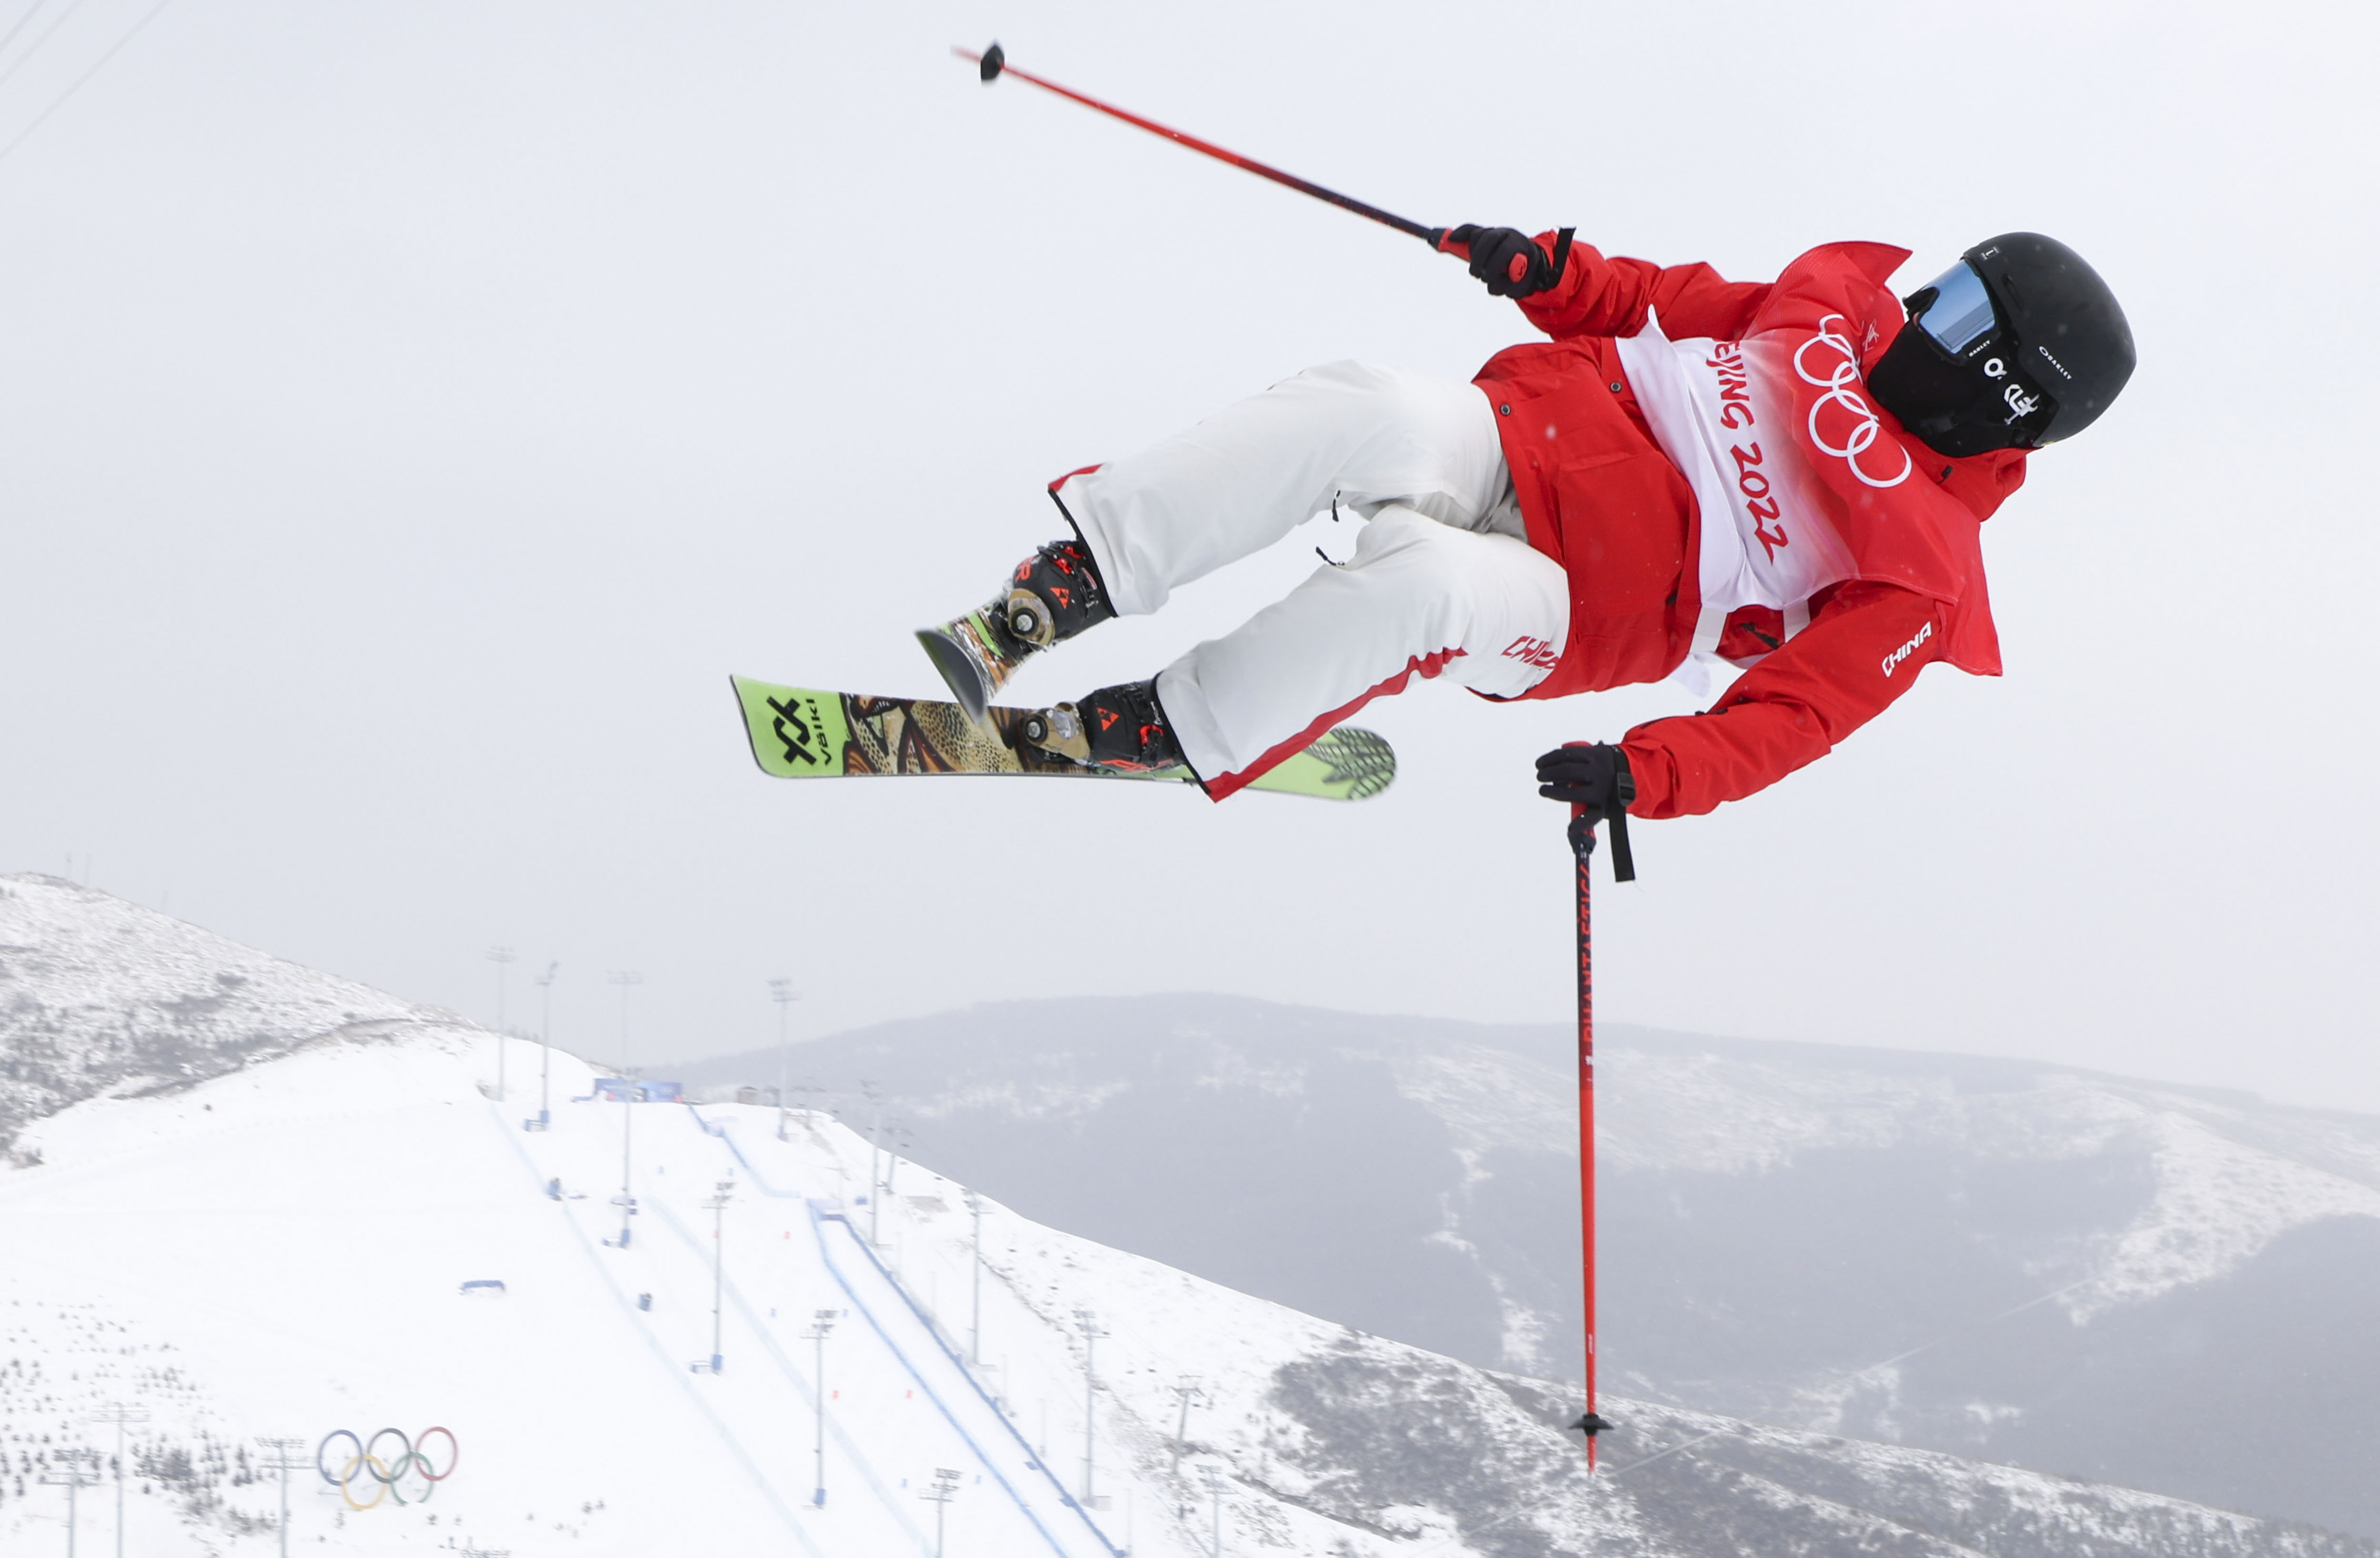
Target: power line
[
  {"x": 35, "y": 46},
  {"x": 116, "y": 1412},
  {"x": 10, "y": 36},
  {"x": 74, "y": 1480},
  {"x": 101, "y": 64}
]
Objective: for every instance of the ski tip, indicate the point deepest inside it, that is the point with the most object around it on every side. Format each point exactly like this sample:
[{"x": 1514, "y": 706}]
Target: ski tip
[
  {"x": 1342, "y": 763},
  {"x": 741, "y": 687}
]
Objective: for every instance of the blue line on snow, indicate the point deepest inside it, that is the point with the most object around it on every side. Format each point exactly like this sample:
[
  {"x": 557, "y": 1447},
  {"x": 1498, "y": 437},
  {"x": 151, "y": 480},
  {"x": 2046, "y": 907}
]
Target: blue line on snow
[
  {"x": 843, "y": 1440},
  {"x": 965, "y": 1372},
  {"x": 718, "y": 1424},
  {"x": 817, "y": 1227}
]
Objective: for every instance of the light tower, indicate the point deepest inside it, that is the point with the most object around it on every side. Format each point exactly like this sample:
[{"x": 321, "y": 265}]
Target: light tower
[
  {"x": 821, "y": 1323},
  {"x": 116, "y": 1412},
  {"x": 875, "y": 1193},
  {"x": 781, "y": 991},
  {"x": 718, "y": 1262},
  {"x": 946, "y": 1485},
  {"x": 545, "y": 1048},
  {"x": 285, "y": 1461},
  {"x": 975, "y": 1328},
  {"x": 1091, "y": 1335},
  {"x": 503, "y": 958},
  {"x": 627, "y": 980}
]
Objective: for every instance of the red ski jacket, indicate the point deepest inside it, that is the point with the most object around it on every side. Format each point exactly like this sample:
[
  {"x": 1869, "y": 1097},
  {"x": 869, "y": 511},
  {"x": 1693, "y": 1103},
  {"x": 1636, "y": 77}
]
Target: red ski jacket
[{"x": 1701, "y": 459}]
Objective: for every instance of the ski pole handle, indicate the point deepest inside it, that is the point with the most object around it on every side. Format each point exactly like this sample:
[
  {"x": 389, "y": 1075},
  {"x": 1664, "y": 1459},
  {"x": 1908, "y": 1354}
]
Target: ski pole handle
[{"x": 992, "y": 63}]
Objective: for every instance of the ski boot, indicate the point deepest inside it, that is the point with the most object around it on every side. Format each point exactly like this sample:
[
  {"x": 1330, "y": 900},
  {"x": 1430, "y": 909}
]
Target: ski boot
[
  {"x": 1117, "y": 728},
  {"x": 1053, "y": 595}
]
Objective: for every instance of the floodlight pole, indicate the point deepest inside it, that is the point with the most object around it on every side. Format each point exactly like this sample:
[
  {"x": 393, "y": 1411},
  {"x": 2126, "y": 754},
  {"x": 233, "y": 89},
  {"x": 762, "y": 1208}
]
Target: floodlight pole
[
  {"x": 821, "y": 1321},
  {"x": 503, "y": 958},
  {"x": 116, "y": 1412},
  {"x": 946, "y": 1483},
  {"x": 545, "y": 1046},
  {"x": 781, "y": 991},
  {"x": 283, "y": 1449},
  {"x": 718, "y": 1263},
  {"x": 1091, "y": 1333},
  {"x": 875, "y": 1188},
  {"x": 627, "y": 979},
  {"x": 975, "y": 1327}
]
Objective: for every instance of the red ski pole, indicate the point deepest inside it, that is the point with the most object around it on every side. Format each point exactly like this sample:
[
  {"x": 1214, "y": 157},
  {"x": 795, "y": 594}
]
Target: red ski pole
[
  {"x": 1623, "y": 869},
  {"x": 992, "y": 63}
]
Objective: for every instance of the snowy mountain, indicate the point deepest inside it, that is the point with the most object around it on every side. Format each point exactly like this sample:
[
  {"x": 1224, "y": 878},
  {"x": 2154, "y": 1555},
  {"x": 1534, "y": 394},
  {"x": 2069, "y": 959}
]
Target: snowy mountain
[
  {"x": 2161, "y": 1286},
  {"x": 313, "y": 1241},
  {"x": 98, "y": 996}
]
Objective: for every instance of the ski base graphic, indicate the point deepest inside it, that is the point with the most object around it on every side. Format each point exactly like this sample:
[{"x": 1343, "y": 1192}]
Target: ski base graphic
[{"x": 803, "y": 732}]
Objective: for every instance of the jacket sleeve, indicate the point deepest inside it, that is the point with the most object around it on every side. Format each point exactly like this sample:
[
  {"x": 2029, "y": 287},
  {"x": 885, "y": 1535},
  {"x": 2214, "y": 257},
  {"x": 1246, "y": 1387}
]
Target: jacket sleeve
[
  {"x": 1863, "y": 649},
  {"x": 1601, "y": 296}
]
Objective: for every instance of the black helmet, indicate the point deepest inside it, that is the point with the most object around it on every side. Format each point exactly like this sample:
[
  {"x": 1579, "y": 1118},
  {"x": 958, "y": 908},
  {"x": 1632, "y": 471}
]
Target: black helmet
[{"x": 2018, "y": 344}]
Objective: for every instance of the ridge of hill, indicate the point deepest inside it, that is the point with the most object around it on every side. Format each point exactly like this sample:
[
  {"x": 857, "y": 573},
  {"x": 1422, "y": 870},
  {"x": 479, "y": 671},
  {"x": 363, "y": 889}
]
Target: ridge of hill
[
  {"x": 98, "y": 995},
  {"x": 354, "y": 1235},
  {"x": 1985, "y": 1257}
]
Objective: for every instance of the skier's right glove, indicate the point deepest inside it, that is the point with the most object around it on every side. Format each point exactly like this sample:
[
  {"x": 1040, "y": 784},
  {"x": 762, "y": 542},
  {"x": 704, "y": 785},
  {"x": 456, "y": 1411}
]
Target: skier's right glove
[
  {"x": 1595, "y": 777},
  {"x": 1508, "y": 260}
]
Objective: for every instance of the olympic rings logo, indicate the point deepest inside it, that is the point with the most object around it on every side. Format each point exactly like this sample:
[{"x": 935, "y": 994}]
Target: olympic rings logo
[
  {"x": 388, "y": 1474},
  {"x": 1867, "y": 429}
]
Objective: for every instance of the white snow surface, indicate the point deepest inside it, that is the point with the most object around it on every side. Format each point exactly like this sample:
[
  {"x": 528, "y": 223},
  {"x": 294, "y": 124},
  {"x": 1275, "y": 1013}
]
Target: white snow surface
[{"x": 282, "y": 1249}]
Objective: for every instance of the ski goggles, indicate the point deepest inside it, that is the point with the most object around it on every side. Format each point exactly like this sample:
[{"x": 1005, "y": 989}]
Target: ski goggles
[
  {"x": 1955, "y": 308},
  {"x": 1950, "y": 377}
]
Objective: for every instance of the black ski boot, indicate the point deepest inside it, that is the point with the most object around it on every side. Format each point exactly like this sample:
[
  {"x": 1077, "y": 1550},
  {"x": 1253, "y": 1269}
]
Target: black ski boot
[
  {"x": 1053, "y": 595},
  {"x": 1119, "y": 728}
]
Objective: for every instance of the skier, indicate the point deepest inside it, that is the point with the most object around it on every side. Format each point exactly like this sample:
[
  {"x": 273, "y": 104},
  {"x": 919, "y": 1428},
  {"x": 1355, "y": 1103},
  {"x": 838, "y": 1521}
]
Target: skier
[{"x": 1790, "y": 475}]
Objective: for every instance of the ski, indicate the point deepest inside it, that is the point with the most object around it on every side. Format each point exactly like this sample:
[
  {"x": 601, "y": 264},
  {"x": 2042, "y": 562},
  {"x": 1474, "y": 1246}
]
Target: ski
[{"x": 803, "y": 732}]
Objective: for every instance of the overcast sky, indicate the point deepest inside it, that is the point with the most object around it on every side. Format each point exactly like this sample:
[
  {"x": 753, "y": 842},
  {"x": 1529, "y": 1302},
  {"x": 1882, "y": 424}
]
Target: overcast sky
[{"x": 410, "y": 415}]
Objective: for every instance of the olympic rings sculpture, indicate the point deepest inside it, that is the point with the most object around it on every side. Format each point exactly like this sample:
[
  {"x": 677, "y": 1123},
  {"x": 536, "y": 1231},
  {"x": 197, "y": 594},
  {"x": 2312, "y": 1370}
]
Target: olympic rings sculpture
[{"x": 386, "y": 1471}]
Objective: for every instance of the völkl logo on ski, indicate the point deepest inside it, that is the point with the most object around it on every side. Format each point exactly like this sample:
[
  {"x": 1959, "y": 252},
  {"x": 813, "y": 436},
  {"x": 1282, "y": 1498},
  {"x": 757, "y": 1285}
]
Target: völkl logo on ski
[{"x": 798, "y": 742}]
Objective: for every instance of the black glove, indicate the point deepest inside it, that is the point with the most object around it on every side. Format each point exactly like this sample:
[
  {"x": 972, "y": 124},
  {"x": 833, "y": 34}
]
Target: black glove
[
  {"x": 1593, "y": 777},
  {"x": 1508, "y": 260}
]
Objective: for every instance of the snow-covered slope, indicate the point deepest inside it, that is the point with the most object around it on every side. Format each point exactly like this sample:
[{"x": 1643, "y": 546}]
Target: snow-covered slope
[
  {"x": 1991, "y": 1258},
  {"x": 101, "y": 996},
  {"x": 286, "y": 1249}
]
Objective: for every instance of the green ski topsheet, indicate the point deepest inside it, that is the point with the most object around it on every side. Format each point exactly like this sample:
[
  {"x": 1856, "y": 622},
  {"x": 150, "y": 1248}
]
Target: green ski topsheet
[{"x": 801, "y": 733}]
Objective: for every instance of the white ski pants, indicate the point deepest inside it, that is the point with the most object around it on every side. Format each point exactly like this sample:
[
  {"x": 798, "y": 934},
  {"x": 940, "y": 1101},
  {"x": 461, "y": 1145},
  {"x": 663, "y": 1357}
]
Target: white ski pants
[{"x": 1442, "y": 581}]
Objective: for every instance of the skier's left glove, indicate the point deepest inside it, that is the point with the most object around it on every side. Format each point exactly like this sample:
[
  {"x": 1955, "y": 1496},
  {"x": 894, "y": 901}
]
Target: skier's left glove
[
  {"x": 1593, "y": 777},
  {"x": 1508, "y": 260}
]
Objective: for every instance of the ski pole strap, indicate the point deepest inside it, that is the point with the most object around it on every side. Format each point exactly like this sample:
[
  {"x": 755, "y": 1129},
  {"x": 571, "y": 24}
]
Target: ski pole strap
[
  {"x": 1623, "y": 864},
  {"x": 1582, "y": 842}
]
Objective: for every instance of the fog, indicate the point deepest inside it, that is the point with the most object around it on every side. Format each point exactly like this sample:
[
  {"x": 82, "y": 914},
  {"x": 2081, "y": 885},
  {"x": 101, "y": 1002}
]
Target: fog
[{"x": 409, "y": 417}]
